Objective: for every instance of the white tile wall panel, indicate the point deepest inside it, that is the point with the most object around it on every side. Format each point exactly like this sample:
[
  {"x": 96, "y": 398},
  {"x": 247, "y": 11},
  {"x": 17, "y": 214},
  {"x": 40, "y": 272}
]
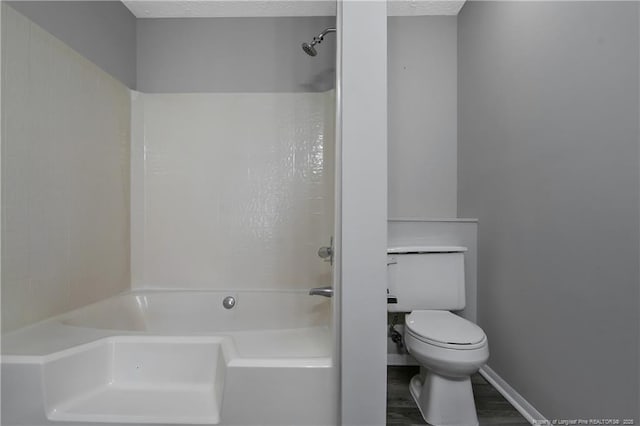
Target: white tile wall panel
[
  {"x": 65, "y": 177},
  {"x": 238, "y": 190}
]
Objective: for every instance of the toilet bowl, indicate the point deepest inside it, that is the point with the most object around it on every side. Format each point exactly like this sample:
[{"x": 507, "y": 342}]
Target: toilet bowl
[{"x": 449, "y": 349}]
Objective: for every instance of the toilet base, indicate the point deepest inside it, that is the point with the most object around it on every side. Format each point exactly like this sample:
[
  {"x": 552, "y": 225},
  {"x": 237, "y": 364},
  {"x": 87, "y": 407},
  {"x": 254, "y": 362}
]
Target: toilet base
[{"x": 444, "y": 401}]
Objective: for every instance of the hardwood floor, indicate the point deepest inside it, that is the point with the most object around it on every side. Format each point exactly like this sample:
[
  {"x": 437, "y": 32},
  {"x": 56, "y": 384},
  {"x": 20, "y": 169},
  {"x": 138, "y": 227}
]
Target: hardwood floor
[{"x": 492, "y": 408}]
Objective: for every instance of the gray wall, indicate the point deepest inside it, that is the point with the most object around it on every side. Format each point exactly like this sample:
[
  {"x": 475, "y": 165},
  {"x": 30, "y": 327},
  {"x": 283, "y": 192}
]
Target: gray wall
[
  {"x": 233, "y": 55},
  {"x": 423, "y": 122},
  {"x": 191, "y": 55},
  {"x": 102, "y": 31},
  {"x": 548, "y": 161},
  {"x": 360, "y": 274}
]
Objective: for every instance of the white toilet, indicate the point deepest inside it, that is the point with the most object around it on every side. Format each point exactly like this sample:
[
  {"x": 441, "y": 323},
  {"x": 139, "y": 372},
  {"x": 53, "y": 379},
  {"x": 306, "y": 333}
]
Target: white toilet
[{"x": 428, "y": 283}]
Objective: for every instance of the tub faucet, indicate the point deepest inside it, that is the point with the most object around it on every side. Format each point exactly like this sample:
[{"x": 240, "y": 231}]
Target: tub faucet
[{"x": 321, "y": 291}]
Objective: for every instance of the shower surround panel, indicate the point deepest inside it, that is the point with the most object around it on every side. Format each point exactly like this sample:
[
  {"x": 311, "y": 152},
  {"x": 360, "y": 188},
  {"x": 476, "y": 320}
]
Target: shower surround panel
[
  {"x": 65, "y": 177},
  {"x": 232, "y": 191}
]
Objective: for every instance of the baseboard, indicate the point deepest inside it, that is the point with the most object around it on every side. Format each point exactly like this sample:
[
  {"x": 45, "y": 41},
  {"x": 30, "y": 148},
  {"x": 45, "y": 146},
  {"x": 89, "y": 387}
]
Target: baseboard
[{"x": 523, "y": 406}]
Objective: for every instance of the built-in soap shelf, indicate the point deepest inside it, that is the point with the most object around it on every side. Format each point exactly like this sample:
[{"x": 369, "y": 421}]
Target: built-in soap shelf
[{"x": 137, "y": 379}]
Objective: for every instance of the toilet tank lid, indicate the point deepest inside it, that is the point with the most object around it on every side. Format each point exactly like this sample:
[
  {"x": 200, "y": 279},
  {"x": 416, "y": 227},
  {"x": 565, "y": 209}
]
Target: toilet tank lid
[{"x": 425, "y": 249}]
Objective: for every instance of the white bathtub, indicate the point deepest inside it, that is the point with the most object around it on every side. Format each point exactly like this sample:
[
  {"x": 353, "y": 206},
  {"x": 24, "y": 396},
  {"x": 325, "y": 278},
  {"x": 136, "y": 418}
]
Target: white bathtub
[
  {"x": 275, "y": 364},
  {"x": 202, "y": 311}
]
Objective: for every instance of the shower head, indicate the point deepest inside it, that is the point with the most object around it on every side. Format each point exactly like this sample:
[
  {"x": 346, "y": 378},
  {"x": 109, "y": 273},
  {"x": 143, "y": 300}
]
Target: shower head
[{"x": 309, "y": 48}]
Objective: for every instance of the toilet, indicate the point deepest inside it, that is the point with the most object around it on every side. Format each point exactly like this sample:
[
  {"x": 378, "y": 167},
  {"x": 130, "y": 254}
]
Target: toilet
[{"x": 427, "y": 283}]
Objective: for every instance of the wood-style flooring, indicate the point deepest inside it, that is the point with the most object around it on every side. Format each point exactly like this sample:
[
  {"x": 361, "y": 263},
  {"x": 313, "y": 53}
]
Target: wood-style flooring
[{"x": 492, "y": 408}]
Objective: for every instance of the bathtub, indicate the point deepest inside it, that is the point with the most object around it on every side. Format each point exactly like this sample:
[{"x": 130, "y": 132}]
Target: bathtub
[{"x": 175, "y": 357}]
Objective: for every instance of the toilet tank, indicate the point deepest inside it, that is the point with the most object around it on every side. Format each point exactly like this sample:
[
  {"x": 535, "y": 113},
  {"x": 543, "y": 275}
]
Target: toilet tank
[{"x": 425, "y": 277}]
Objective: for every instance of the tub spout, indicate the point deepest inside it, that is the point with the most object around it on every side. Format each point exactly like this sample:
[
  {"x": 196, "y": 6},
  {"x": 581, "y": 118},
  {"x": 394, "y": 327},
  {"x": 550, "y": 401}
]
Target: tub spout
[{"x": 321, "y": 291}]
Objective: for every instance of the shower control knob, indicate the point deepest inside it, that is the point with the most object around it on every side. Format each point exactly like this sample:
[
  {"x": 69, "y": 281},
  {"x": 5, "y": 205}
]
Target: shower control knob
[{"x": 325, "y": 252}]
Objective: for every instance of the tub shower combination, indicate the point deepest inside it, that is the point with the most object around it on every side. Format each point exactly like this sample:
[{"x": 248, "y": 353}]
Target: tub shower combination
[
  {"x": 184, "y": 353},
  {"x": 175, "y": 357}
]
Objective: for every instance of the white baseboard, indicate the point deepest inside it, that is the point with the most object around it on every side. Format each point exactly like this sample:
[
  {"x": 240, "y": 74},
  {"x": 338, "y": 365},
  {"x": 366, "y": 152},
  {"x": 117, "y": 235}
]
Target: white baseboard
[{"x": 523, "y": 406}]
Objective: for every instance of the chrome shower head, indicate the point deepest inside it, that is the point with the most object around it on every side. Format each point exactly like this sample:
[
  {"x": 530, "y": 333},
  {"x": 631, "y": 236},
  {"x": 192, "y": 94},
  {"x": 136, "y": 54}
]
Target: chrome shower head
[{"x": 309, "y": 48}]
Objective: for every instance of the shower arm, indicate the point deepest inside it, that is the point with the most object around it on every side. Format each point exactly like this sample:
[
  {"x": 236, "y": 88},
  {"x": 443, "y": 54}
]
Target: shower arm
[
  {"x": 309, "y": 47},
  {"x": 320, "y": 37}
]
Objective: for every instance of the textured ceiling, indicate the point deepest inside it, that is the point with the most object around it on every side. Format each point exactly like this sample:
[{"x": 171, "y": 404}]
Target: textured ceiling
[
  {"x": 246, "y": 8},
  {"x": 423, "y": 7}
]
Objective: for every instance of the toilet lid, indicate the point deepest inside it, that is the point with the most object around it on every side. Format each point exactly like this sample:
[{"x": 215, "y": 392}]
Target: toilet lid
[{"x": 443, "y": 327}]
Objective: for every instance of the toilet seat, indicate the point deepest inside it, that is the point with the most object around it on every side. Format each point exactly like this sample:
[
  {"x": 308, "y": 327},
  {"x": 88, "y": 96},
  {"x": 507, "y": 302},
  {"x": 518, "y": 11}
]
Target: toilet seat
[{"x": 445, "y": 329}]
